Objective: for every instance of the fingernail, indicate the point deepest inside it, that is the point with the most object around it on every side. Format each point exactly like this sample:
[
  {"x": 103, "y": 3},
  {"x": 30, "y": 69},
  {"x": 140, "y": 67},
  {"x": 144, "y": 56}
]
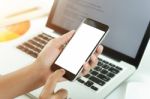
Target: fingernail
[
  {"x": 62, "y": 71},
  {"x": 101, "y": 47}
]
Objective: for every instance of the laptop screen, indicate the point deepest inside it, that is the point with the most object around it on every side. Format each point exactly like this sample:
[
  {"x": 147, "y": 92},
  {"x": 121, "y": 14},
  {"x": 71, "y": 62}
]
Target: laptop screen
[{"x": 127, "y": 19}]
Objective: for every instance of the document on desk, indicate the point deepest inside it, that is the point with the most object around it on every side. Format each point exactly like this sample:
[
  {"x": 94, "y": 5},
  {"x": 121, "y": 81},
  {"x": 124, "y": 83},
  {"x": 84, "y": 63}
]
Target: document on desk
[
  {"x": 137, "y": 90},
  {"x": 15, "y": 11}
]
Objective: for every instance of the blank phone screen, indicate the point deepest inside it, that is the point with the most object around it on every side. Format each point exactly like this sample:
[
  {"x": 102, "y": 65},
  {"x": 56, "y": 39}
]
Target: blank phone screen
[{"x": 79, "y": 48}]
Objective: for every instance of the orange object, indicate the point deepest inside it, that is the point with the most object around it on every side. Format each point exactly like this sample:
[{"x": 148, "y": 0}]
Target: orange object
[{"x": 14, "y": 31}]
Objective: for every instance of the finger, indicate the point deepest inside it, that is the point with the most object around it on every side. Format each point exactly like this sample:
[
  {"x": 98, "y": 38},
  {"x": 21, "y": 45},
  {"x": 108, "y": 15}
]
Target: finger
[
  {"x": 86, "y": 68},
  {"x": 51, "y": 82},
  {"x": 99, "y": 50},
  {"x": 90, "y": 64},
  {"x": 93, "y": 61},
  {"x": 61, "y": 94},
  {"x": 62, "y": 40}
]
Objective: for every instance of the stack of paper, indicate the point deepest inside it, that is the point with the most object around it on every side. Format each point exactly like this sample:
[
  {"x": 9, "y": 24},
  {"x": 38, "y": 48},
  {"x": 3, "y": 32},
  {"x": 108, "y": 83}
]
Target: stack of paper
[{"x": 14, "y": 11}]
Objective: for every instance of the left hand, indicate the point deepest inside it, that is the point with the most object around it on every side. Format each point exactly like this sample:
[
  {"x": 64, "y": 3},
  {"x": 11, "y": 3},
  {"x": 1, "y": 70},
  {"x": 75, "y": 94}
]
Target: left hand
[
  {"x": 53, "y": 49},
  {"x": 93, "y": 60}
]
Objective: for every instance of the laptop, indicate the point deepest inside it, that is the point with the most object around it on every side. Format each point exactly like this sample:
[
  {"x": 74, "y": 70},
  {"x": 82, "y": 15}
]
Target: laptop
[{"x": 123, "y": 46}]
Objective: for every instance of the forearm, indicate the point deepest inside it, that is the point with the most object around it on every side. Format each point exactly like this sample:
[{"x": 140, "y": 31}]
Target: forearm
[{"x": 20, "y": 82}]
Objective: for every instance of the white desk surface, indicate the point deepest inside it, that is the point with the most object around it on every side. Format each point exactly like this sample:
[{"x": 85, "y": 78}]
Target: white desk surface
[{"x": 139, "y": 76}]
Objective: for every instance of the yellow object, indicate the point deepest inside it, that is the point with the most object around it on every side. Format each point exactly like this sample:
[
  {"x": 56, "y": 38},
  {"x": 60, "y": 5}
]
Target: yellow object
[
  {"x": 7, "y": 35},
  {"x": 14, "y": 31}
]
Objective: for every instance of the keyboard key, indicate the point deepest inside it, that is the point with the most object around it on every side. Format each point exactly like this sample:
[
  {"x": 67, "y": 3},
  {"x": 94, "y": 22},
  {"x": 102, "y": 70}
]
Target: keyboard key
[
  {"x": 87, "y": 76},
  {"x": 28, "y": 51},
  {"x": 94, "y": 73},
  {"x": 32, "y": 47},
  {"x": 97, "y": 68},
  {"x": 106, "y": 66},
  {"x": 100, "y": 69},
  {"x": 100, "y": 64},
  {"x": 45, "y": 37},
  {"x": 112, "y": 65},
  {"x": 21, "y": 47},
  {"x": 40, "y": 40},
  {"x": 104, "y": 71},
  {"x": 100, "y": 59},
  {"x": 103, "y": 77},
  {"x": 111, "y": 75},
  {"x": 105, "y": 62},
  {"x": 80, "y": 80},
  {"x": 96, "y": 80},
  {"x": 94, "y": 88},
  {"x": 113, "y": 70},
  {"x": 50, "y": 37},
  {"x": 33, "y": 54},
  {"x": 89, "y": 83},
  {"x": 36, "y": 43},
  {"x": 119, "y": 68},
  {"x": 91, "y": 70}
]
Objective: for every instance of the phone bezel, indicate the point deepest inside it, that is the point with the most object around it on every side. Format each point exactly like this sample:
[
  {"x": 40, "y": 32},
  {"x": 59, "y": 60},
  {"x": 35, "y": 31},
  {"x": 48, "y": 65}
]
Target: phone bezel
[{"x": 68, "y": 75}]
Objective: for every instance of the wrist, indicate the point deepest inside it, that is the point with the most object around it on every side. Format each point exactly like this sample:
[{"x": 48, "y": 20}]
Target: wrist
[{"x": 42, "y": 71}]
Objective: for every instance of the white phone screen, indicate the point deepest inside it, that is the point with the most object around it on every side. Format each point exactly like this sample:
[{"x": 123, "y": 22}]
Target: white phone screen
[{"x": 79, "y": 48}]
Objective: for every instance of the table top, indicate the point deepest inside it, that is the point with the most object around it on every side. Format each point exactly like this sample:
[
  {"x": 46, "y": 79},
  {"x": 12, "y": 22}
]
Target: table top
[{"x": 139, "y": 76}]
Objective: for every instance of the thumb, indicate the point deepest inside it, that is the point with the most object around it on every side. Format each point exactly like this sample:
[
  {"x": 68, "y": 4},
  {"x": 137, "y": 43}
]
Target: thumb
[
  {"x": 61, "y": 94},
  {"x": 51, "y": 83}
]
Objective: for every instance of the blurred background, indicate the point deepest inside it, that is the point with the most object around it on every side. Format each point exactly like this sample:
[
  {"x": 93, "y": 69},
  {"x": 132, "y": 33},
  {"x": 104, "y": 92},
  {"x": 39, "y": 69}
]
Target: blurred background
[{"x": 15, "y": 16}]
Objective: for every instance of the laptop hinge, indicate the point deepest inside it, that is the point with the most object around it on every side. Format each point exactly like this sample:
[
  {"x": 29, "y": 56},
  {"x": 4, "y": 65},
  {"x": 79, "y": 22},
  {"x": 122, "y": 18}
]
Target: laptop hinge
[{"x": 112, "y": 58}]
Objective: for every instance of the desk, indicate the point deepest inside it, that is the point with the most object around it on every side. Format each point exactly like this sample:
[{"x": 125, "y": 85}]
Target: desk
[{"x": 139, "y": 76}]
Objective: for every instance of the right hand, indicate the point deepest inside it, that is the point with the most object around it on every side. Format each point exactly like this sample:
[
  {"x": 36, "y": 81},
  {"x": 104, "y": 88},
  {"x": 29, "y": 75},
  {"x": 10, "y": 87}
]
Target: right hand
[{"x": 48, "y": 91}]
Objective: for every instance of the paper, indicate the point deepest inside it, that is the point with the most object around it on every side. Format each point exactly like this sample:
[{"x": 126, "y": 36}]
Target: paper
[{"x": 14, "y": 11}]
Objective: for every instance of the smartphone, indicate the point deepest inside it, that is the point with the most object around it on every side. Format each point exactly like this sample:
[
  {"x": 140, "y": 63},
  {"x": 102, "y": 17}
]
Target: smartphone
[{"x": 84, "y": 42}]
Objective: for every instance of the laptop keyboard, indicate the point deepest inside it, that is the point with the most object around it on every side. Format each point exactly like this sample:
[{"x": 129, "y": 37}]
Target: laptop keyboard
[
  {"x": 34, "y": 46},
  {"x": 99, "y": 76}
]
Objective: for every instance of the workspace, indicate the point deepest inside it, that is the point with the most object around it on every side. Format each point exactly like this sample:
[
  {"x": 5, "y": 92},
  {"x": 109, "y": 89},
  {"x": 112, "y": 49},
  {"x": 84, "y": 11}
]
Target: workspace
[{"x": 121, "y": 26}]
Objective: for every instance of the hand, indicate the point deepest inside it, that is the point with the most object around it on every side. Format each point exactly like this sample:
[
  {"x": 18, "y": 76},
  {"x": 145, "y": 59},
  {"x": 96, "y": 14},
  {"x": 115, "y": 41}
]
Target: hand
[
  {"x": 48, "y": 91},
  {"x": 54, "y": 48},
  {"x": 50, "y": 52},
  {"x": 93, "y": 60}
]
